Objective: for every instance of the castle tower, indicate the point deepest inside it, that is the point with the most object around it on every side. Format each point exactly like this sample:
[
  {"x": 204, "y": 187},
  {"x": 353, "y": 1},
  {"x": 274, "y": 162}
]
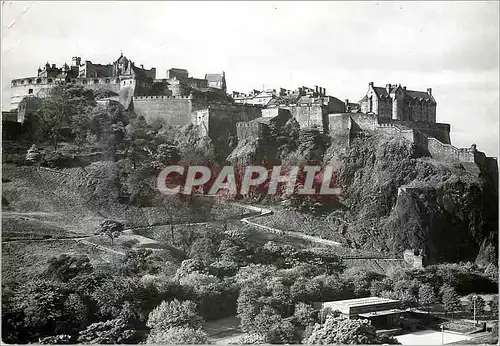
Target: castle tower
[{"x": 76, "y": 61}]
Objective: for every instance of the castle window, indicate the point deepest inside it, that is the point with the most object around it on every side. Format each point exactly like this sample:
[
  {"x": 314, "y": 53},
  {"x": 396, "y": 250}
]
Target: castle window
[
  {"x": 124, "y": 82},
  {"x": 22, "y": 81},
  {"x": 30, "y": 91},
  {"x": 130, "y": 82},
  {"x": 38, "y": 80},
  {"x": 49, "y": 80},
  {"x": 30, "y": 81},
  {"x": 107, "y": 80},
  {"x": 96, "y": 81}
]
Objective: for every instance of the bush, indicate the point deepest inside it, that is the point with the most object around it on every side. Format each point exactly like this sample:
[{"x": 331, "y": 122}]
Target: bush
[{"x": 56, "y": 159}]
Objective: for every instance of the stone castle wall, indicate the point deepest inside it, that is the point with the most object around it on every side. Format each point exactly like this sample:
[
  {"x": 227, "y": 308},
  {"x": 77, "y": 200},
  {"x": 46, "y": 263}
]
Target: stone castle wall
[
  {"x": 431, "y": 138},
  {"x": 437, "y": 130},
  {"x": 310, "y": 116},
  {"x": 222, "y": 119},
  {"x": 18, "y": 91},
  {"x": 165, "y": 110},
  {"x": 41, "y": 86}
]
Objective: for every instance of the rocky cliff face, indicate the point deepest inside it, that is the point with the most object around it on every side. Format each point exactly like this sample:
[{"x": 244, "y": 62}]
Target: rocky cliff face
[
  {"x": 399, "y": 201},
  {"x": 395, "y": 200}
]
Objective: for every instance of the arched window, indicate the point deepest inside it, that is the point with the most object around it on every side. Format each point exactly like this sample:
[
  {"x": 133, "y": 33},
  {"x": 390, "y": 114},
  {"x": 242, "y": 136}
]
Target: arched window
[
  {"x": 38, "y": 80},
  {"x": 107, "y": 81}
]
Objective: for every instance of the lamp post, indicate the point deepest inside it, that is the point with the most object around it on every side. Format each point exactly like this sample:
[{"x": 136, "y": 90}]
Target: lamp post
[{"x": 474, "y": 297}]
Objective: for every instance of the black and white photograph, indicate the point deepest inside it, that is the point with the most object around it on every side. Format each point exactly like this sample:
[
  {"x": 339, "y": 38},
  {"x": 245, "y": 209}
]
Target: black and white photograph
[{"x": 250, "y": 172}]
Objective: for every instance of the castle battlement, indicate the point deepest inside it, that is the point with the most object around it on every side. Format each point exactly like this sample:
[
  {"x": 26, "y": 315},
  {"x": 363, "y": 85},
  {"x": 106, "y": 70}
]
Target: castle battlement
[
  {"x": 161, "y": 97},
  {"x": 218, "y": 105}
]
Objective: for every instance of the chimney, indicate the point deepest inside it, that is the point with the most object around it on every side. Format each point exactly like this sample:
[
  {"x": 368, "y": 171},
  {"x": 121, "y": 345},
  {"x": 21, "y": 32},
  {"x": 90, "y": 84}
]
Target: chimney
[
  {"x": 388, "y": 88},
  {"x": 300, "y": 91},
  {"x": 53, "y": 65},
  {"x": 324, "y": 92},
  {"x": 316, "y": 89},
  {"x": 429, "y": 91},
  {"x": 370, "y": 84},
  {"x": 142, "y": 66},
  {"x": 404, "y": 88}
]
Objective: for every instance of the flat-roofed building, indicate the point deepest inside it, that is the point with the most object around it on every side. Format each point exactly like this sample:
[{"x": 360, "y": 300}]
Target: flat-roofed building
[{"x": 382, "y": 312}]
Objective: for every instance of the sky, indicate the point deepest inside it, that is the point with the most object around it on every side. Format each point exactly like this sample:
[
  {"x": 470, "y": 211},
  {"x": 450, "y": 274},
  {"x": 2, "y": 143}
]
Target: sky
[{"x": 451, "y": 47}]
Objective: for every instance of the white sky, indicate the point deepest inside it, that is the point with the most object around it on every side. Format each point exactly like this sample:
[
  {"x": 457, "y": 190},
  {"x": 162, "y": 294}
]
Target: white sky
[{"x": 449, "y": 46}]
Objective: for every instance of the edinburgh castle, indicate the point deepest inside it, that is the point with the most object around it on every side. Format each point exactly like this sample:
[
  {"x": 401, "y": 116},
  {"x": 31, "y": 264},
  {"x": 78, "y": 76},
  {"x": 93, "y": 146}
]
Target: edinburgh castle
[{"x": 180, "y": 99}]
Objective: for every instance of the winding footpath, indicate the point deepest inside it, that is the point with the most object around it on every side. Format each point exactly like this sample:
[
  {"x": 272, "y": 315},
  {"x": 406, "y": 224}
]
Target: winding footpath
[{"x": 265, "y": 212}]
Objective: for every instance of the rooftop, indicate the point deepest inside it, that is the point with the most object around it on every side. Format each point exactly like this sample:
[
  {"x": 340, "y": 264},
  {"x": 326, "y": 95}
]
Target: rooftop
[{"x": 361, "y": 301}]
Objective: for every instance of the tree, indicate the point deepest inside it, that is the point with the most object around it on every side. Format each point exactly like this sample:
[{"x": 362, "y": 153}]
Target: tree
[
  {"x": 66, "y": 267},
  {"x": 140, "y": 262},
  {"x": 42, "y": 304},
  {"x": 63, "y": 107},
  {"x": 426, "y": 296},
  {"x": 197, "y": 281},
  {"x": 339, "y": 330},
  {"x": 174, "y": 314},
  {"x": 114, "y": 294},
  {"x": 59, "y": 339},
  {"x": 378, "y": 286},
  {"x": 252, "y": 339},
  {"x": 251, "y": 300},
  {"x": 190, "y": 266},
  {"x": 361, "y": 279},
  {"x": 480, "y": 304},
  {"x": 282, "y": 332},
  {"x": 451, "y": 301},
  {"x": 265, "y": 319},
  {"x": 178, "y": 336},
  {"x": 110, "y": 228},
  {"x": 305, "y": 314},
  {"x": 494, "y": 305},
  {"x": 115, "y": 331}
]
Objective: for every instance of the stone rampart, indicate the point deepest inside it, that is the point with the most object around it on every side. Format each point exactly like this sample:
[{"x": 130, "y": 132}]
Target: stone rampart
[
  {"x": 165, "y": 110},
  {"x": 314, "y": 116}
]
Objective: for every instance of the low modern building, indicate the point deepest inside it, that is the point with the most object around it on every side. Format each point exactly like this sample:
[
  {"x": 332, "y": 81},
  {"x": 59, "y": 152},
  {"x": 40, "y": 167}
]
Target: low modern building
[{"x": 382, "y": 312}]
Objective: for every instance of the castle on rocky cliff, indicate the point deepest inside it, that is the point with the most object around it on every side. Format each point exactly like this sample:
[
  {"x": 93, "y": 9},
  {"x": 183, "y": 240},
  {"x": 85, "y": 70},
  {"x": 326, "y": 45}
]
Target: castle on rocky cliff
[{"x": 180, "y": 99}]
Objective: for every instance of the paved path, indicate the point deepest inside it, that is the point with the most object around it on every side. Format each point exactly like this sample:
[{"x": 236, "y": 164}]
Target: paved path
[{"x": 265, "y": 212}]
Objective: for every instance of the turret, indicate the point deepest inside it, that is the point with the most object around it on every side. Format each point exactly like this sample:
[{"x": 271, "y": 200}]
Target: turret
[{"x": 76, "y": 61}]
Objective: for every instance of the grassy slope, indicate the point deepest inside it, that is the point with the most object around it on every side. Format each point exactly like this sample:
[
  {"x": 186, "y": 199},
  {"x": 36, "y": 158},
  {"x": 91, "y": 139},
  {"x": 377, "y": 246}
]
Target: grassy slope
[{"x": 45, "y": 204}]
